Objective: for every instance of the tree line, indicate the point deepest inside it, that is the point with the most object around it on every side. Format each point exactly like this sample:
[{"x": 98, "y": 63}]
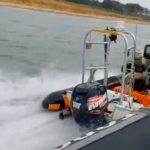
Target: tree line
[{"x": 129, "y": 8}]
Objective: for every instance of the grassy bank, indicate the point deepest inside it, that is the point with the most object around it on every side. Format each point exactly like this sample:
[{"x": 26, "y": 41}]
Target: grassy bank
[{"x": 62, "y": 6}]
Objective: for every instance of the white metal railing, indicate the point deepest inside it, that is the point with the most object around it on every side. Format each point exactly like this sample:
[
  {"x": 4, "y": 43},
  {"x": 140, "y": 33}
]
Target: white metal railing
[{"x": 107, "y": 43}]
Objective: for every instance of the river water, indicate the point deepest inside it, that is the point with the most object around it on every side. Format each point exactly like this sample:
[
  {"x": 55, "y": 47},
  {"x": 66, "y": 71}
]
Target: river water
[{"x": 41, "y": 52}]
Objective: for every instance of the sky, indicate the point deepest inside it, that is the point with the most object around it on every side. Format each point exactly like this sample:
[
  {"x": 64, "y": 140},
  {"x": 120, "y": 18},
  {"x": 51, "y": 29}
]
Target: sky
[{"x": 143, "y": 3}]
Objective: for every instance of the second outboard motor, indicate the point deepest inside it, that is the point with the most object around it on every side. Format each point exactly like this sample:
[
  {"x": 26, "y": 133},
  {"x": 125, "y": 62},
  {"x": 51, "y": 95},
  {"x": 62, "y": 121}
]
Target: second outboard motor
[{"x": 88, "y": 104}]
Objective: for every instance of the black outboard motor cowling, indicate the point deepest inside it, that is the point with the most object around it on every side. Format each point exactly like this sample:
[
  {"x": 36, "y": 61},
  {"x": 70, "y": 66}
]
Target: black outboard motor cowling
[{"x": 88, "y": 103}]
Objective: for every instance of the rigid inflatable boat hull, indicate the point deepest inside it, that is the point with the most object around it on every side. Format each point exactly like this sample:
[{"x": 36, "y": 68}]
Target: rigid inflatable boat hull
[{"x": 57, "y": 98}]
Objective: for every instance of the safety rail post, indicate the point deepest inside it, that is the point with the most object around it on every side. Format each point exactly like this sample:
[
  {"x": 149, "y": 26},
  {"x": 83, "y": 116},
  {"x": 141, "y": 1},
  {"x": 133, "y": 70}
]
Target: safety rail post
[{"x": 107, "y": 42}]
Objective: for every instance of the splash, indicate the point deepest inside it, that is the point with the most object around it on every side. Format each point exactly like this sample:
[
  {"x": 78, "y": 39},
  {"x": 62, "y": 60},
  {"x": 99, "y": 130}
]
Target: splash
[
  {"x": 23, "y": 122},
  {"x": 31, "y": 87},
  {"x": 19, "y": 87}
]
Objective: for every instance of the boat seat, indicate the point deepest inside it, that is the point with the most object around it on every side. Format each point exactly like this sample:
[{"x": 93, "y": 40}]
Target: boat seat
[{"x": 139, "y": 66}]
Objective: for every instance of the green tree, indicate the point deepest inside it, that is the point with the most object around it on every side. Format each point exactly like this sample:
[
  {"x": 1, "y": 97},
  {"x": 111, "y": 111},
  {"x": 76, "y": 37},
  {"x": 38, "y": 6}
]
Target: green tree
[
  {"x": 134, "y": 8},
  {"x": 113, "y": 5}
]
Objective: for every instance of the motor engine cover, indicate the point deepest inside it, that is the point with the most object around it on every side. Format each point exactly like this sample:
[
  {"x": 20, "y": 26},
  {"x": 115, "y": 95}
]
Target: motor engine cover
[{"x": 88, "y": 102}]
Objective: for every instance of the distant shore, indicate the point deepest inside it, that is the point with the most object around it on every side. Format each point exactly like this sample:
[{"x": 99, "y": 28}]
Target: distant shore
[{"x": 76, "y": 10}]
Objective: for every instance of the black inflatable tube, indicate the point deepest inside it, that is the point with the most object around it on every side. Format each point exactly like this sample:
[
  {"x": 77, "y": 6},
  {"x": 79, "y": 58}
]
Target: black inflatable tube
[{"x": 56, "y": 97}]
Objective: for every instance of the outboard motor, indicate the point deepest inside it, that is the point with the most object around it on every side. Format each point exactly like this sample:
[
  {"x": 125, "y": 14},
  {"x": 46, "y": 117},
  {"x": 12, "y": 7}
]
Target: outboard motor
[{"x": 88, "y": 104}]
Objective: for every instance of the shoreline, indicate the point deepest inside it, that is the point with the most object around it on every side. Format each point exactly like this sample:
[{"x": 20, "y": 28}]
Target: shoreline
[{"x": 35, "y": 8}]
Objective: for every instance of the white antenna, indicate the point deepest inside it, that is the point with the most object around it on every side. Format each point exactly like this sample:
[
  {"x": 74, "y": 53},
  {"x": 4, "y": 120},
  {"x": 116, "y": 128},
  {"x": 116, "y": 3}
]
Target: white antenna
[{"x": 136, "y": 31}]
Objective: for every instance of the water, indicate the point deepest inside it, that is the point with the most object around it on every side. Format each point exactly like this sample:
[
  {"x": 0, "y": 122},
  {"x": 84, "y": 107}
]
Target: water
[{"x": 41, "y": 52}]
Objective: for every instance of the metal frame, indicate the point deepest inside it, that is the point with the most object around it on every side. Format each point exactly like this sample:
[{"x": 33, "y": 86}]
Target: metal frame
[
  {"x": 108, "y": 42},
  {"x": 91, "y": 68},
  {"x": 125, "y": 59}
]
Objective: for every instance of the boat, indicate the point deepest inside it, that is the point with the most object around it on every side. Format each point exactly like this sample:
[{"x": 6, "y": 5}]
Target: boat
[{"x": 114, "y": 109}]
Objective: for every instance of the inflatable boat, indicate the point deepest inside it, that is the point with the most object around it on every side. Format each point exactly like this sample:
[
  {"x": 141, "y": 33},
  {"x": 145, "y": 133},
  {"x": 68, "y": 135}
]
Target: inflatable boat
[{"x": 109, "y": 105}]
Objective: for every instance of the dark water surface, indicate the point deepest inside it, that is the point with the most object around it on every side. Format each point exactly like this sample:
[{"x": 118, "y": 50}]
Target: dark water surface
[
  {"x": 41, "y": 52},
  {"x": 32, "y": 41}
]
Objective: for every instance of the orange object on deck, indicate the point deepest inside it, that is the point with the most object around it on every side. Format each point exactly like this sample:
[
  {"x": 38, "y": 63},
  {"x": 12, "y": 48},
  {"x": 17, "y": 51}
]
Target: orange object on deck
[
  {"x": 54, "y": 107},
  {"x": 143, "y": 99},
  {"x": 119, "y": 88},
  {"x": 66, "y": 100}
]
